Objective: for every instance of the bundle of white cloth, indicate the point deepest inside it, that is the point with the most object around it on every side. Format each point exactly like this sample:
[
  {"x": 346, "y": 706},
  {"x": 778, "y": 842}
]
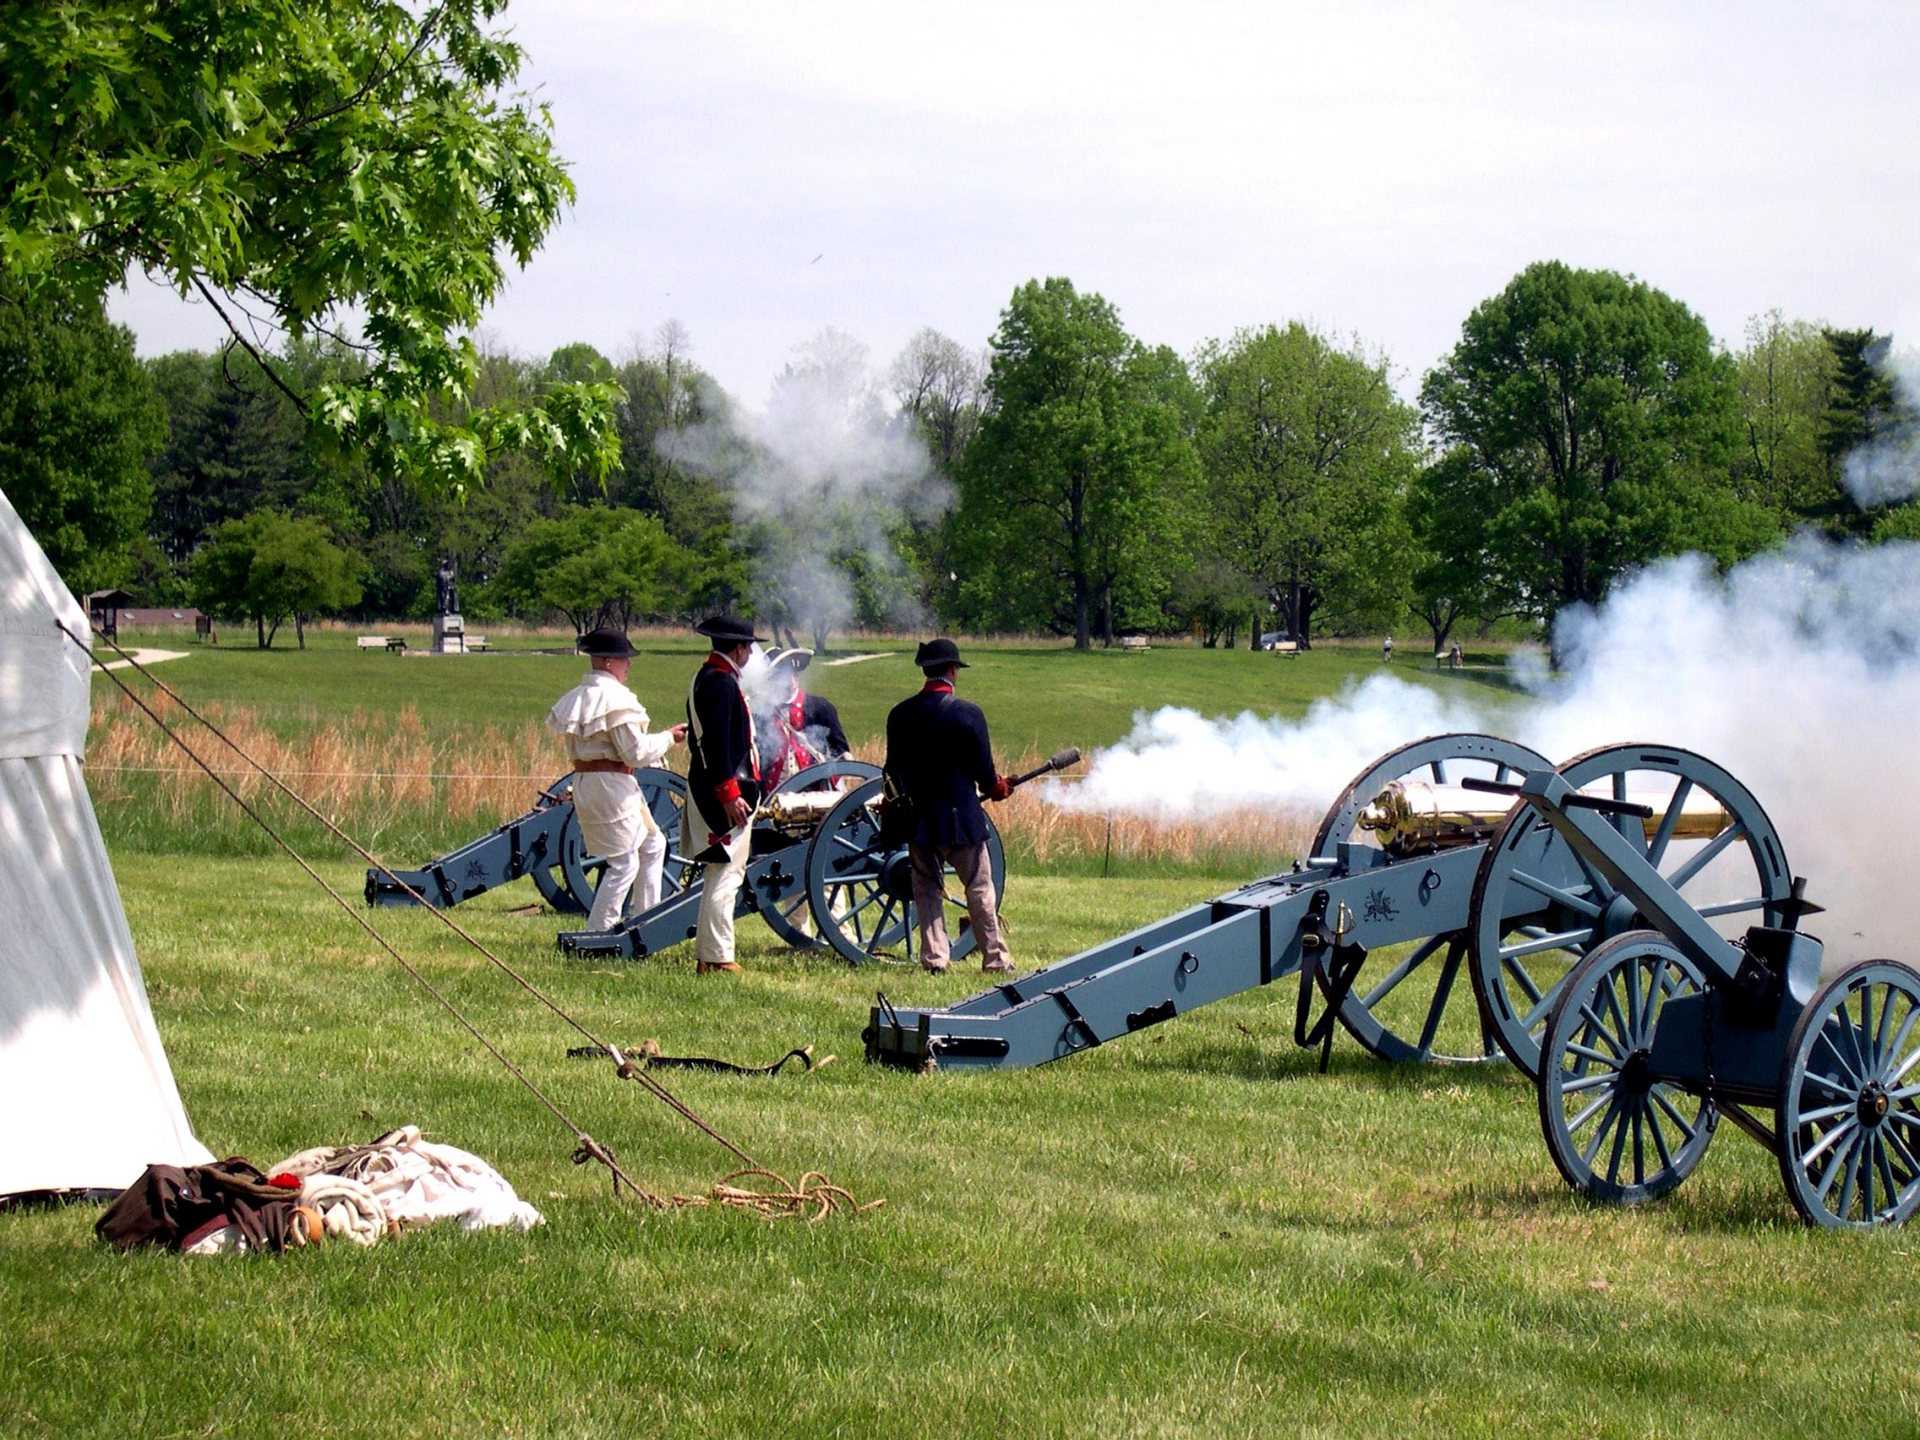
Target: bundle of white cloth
[{"x": 411, "y": 1181}]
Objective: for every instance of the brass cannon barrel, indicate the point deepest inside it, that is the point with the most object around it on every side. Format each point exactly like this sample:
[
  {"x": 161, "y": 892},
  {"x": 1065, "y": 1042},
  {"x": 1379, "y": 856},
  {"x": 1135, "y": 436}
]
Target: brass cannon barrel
[
  {"x": 799, "y": 812},
  {"x": 1414, "y": 817}
]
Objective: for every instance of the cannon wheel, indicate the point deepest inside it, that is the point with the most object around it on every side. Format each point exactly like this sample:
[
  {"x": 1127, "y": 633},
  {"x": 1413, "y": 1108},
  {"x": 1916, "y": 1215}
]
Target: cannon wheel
[
  {"x": 570, "y": 878},
  {"x": 783, "y": 899},
  {"x": 862, "y": 895},
  {"x": 1384, "y": 990},
  {"x": 1616, "y": 1135},
  {"x": 1848, "y": 1114},
  {"x": 1537, "y": 909}
]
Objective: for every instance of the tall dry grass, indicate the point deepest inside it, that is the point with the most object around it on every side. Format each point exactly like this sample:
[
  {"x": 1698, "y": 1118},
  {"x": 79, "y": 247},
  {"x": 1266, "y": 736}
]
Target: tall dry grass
[
  {"x": 407, "y": 794},
  {"x": 381, "y": 778}
]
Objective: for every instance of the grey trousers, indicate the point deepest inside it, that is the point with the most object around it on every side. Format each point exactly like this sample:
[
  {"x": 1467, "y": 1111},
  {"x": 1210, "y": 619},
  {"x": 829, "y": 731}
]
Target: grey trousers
[{"x": 975, "y": 875}]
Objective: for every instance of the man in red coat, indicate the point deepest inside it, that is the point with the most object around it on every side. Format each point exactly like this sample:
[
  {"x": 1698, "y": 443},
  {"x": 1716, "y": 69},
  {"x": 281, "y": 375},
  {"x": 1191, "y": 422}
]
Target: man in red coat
[{"x": 723, "y": 783}]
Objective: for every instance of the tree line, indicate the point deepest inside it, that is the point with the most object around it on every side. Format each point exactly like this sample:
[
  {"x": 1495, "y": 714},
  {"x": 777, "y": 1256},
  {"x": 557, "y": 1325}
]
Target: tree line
[
  {"x": 1085, "y": 483},
  {"x": 343, "y": 186}
]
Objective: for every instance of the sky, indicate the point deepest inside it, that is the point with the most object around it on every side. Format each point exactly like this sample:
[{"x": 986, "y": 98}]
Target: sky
[{"x": 760, "y": 172}]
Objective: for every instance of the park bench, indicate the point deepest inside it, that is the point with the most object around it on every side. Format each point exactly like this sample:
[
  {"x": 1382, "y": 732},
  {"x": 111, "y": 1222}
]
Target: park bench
[
  {"x": 1134, "y": 643},
  {"x": 392, "y": 644},
  {"x": 1288, "y": 648},
  {"x": 476, "y": 643}
]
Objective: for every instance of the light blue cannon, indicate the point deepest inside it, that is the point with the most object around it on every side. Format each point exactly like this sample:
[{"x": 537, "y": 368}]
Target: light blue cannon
[{"x": 1631, "y": 883}]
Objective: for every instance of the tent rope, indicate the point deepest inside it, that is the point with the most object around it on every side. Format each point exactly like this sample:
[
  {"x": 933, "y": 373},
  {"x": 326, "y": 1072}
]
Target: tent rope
[{"x": 588, "y": 1149}]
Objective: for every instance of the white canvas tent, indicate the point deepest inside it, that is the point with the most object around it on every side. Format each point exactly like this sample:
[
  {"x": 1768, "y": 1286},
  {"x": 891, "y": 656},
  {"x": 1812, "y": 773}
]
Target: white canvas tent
[{"x": 86, "y": 1096}]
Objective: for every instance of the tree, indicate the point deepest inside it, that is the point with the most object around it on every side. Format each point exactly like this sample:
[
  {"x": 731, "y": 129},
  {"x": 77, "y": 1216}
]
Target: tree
[
  {"x": 1073, "y": 488},
  {"x": 1871, "y": 431},
  {"x": 1448, "y": 574},
  {"x": 270, "y": 567},
  {"x": 665, "y": 395},
  {"x": 1590, "y": 426},
  {"x": 1308, "y": 455},
  {"x": 304, "y": 162},
  {"x": 938, "y": 386},
  {"x": 1785, "y": 373},
  {"x": 78, "y": 422},
  {"x": 597, "y": 566}
]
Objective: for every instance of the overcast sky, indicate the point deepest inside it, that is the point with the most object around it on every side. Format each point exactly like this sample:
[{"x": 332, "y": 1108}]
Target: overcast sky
[{"x": 762, "y": 171}]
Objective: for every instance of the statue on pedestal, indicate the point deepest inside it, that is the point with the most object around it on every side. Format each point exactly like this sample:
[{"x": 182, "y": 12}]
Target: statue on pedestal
[{"x": 446, "y": 588}]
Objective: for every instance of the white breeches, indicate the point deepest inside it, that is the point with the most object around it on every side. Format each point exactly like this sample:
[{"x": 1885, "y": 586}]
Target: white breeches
[{"x": 638, "y": 870}]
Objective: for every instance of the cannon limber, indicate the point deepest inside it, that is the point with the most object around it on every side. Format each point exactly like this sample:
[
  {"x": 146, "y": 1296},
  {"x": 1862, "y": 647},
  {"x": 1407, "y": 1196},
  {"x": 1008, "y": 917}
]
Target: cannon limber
[
  {"x": 545, "y": 844},
  {"x": 1668, "y": 1025}
]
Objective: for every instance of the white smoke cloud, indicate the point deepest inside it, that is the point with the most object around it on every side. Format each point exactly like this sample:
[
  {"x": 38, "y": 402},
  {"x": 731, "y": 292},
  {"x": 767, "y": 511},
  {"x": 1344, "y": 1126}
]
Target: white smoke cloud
[
  {"x": 827, "y": 474},
  {"x": 1886, "y": 470},
  {"x": 1799, "y": 672}
]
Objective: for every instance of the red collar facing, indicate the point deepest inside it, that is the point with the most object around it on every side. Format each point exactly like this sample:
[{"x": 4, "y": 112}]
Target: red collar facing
[{"x": 937, "y": 687}]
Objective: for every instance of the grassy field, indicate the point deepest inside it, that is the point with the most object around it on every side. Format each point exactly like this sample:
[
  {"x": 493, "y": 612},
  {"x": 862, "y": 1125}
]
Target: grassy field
[
  {"x": 416, "y": 754},
  {"x": 1187, "y": 1233}
]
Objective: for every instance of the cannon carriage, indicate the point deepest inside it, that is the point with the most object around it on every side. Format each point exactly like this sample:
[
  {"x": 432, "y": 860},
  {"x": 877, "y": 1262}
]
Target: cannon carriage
[
  {"x": 543, "y": 844},
  {"x": 1623, "y": 927},
  {"x": 820, "y": 872}
]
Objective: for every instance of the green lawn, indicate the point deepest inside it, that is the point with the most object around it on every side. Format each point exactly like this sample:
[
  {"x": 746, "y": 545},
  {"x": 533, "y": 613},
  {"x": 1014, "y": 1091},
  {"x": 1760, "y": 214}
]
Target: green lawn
[
  {"x": 1186, "y": 1233},
  {"x": 1037, "y": 696}
]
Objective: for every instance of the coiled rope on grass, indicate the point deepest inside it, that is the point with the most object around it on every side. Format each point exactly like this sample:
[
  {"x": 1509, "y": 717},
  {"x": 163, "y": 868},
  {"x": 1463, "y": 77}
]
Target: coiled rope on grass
[{"x": 793, "y": 1199}]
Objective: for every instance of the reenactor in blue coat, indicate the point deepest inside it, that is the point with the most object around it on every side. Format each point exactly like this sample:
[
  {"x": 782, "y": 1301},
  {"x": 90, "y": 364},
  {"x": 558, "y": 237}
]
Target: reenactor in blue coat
[
  {"x": 723, "y": 783},
  {"x": 941, "y": 762}
]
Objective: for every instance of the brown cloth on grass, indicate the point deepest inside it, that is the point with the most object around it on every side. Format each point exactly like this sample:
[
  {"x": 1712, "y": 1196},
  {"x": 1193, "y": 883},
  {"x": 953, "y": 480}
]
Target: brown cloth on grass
[{"x": 175, "y": 1208}]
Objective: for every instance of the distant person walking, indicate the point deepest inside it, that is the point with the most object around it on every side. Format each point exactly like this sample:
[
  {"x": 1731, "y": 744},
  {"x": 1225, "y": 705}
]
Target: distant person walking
[
  {"x": 940, "y": 760},
  {"x": 1454, "y": 658},
  {"x": 605, "y": 727},
  {"x": 1386, "y": 650},
  {"x": 723, "y": 781}
]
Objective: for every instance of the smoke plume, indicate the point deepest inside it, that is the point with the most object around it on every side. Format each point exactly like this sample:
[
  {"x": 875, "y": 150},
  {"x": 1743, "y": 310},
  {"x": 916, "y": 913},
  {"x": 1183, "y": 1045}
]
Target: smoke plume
[
  {"x": 821, "y": 481},
  {"x": 1886, "y": 469},
  {"x": 1799, "y": 672}
]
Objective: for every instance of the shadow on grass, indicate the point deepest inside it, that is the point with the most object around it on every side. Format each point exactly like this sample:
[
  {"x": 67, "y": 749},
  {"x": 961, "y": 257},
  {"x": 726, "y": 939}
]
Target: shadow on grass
[
  {"x": 1738, "y": 1210},
  {"x": 1263, "y": 1055}
]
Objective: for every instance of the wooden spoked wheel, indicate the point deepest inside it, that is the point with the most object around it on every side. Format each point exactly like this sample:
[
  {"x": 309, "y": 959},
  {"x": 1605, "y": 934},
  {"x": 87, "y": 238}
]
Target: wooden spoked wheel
[
  {"x": 1538, "y": 908},
  {"x": 1614, "y": 1132},
  {"x": 1399, "y": 1004},
  {"x": 1848, "y": 1116},
  {"x": 861, "y": 892}
]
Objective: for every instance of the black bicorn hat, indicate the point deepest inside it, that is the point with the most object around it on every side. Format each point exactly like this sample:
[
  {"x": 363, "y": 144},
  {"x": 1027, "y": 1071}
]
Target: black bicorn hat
[
  {"x": 606, "y": 643},
  {"x": 728, "y": 629},
  {"x": 938, "y": 654}
]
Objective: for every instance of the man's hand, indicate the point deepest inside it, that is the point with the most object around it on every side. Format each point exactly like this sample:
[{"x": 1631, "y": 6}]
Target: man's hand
[
  {"x": 679, "y": 733},
  {"x": 1000, "y": 789},
  {"x": 738, "y": 813}
]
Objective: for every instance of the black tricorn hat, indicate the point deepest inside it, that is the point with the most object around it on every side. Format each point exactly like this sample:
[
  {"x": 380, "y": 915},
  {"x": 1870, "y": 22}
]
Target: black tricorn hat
[
  {"x": 798, "y": 657},
  {"x": 606, "y": 642},
  {"x": 728, "y": 629},
  {"x": 938, "y": 654}
]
